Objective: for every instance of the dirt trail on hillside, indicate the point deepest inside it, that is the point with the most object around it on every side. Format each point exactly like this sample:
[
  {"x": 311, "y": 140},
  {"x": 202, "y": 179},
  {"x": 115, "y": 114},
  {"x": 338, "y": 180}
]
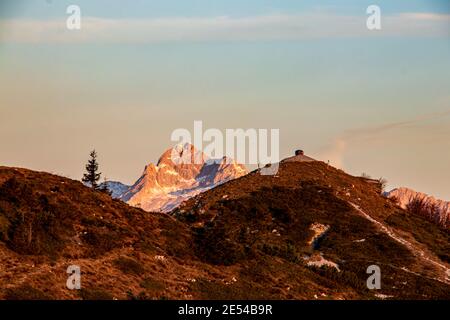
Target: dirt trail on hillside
[{"x": 414, "y": 249}]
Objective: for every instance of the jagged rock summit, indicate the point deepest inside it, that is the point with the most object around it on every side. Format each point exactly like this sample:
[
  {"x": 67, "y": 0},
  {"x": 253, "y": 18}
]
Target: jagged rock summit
[
  {"x": 404, "y": 196},
  {"x": 181, "y": 173}
]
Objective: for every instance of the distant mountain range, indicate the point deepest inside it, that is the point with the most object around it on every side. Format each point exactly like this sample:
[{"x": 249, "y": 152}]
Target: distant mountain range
[
  {"x": 405, "y": 196},
  {"x": 116, "y": 188},
  {"x": 165, "y": 185}
]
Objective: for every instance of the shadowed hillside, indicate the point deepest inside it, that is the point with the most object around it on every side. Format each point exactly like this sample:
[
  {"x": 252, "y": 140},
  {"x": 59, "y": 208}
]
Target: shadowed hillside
[
  {"x": 313, "y": 214},
  {"x": 48, "y": 223}
]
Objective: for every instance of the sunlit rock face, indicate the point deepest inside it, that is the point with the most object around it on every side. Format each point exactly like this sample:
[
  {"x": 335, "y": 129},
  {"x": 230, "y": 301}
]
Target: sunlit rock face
[
  {"x": 181, "y": 173},
  {"x": 441, "y": 208}
]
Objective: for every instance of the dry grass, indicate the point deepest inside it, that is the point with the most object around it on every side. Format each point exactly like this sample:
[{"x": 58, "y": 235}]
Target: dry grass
[{"x": 248, "y": 245}]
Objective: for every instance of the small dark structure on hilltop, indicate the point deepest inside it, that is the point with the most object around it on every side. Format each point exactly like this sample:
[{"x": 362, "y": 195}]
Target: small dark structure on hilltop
[{"x": 298, "y": 157}]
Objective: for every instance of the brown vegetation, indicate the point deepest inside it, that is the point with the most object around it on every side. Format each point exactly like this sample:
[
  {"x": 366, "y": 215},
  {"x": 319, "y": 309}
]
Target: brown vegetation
[{"x": 246, "y": 239}]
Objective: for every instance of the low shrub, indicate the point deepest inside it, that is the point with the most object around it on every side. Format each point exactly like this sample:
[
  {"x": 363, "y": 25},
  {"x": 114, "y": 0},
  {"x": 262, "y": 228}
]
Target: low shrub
[
  {"x": 152, "y": 284},
  {"x": 26, "y": 292},
  {"x": 95, "y": 294},
  {"x": 129, "y": 266}
]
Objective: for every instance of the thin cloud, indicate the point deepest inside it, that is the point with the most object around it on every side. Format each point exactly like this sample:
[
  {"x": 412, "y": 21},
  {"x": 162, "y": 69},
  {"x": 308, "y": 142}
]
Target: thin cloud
[
  {"x": 335, "y": 152},
  {"x": 365, "y": 132},
  {"x": 254, "y": 28}
]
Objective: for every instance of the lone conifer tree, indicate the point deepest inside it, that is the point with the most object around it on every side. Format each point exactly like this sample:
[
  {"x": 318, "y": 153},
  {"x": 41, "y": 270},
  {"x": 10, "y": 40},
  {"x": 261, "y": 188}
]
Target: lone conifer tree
[{"x": 92, "y": 176}]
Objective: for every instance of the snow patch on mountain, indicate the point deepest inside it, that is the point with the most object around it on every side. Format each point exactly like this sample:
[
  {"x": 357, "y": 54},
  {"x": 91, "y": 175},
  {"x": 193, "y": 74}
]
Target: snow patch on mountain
[
  {"x": 164, "y": 186},
  {"x": 116, "y": 188}
]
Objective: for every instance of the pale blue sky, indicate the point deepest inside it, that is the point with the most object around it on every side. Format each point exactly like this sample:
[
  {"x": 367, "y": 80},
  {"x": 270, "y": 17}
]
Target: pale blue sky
[
  {"x": 158, "y": 8},
  {"x": 333, "y": 89}
]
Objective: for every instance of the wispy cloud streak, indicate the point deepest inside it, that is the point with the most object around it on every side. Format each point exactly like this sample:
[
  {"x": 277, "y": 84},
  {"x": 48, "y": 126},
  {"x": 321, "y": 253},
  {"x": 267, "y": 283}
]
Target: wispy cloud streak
[
  {"x": 255, "y": 28},
  {"x": 335, "y": 152}
]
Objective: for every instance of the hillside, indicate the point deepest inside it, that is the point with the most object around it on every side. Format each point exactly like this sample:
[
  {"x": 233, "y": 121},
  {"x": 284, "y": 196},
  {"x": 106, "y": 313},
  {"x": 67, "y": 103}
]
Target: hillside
[
  {"x": 312, "y": 214},
  {"x": 48, "y": 223},
  {"x": 256, "y": 237}
]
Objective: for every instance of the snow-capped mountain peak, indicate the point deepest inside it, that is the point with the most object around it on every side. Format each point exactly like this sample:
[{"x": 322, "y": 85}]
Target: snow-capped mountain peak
[
  {"x": 116, "y": 188},
  {"x": 180, "y": 173},
  {"x": 404, "y": 196}
]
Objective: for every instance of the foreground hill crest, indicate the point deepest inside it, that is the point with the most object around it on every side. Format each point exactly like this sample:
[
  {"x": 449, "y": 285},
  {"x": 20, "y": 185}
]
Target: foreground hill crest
[{"x": 310, "y": 232}]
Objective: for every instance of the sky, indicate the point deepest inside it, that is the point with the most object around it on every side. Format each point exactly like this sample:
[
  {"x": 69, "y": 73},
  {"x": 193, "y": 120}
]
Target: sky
[{"x": 376, "y": 101}]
